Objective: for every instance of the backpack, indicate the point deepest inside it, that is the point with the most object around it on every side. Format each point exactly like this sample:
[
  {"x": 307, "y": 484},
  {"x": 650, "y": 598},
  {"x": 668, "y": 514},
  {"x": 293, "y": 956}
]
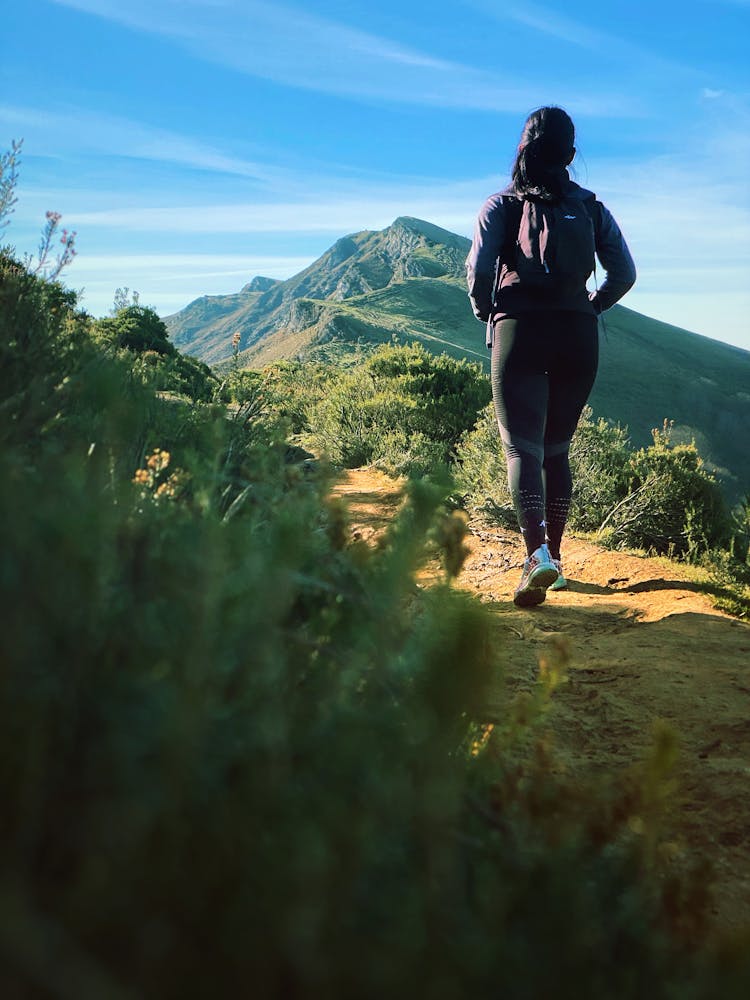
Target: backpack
[{"x": 555, "y": 246}]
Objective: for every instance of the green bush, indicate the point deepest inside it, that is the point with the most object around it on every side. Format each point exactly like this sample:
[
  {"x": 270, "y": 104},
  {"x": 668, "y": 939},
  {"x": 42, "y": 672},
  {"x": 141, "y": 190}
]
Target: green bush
[
  {"x": 289, "y": 389},
  {"x": 137, "y": 328},
  {"x": 481, "y": 471},
  {"x": 139, "y": 337},
  {"x": 672, "y": 505},
  {"x": 44, "y": 341},
  {"x": 659, "y": 498},
  {"x": 233, "y": 751},
  {"x": 599, "y": 460},
  {"x": 403, "y": 409}
]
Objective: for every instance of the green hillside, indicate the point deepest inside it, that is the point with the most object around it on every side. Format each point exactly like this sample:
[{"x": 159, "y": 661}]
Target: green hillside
[
  {"x": 651, "y": 371},
  {"x": 407, "y": 282}
]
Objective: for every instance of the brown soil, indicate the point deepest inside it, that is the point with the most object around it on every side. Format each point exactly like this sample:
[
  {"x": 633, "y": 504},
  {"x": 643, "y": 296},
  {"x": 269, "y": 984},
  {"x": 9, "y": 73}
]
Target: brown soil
[{"x": 646, "y": 645}]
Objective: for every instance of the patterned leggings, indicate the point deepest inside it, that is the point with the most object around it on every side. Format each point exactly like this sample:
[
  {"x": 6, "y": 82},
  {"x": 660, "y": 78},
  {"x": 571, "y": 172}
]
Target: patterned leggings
[{"x": 543, "y": 369}]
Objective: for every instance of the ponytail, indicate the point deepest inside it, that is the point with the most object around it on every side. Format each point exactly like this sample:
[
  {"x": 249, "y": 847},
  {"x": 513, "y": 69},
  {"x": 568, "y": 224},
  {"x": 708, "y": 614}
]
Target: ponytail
[{"x": 546, "y": 147}]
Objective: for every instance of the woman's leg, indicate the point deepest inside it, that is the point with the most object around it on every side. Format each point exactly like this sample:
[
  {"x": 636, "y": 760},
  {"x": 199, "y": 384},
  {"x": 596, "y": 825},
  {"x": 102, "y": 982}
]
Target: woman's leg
[
  {"x": 573, "y": 360},
  {"x": 520, "y": 393}
]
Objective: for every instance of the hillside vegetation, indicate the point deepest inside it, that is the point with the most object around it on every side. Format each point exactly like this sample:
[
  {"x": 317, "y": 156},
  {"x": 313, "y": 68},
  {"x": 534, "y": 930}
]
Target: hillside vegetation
[{"x": 407, "y": 283}]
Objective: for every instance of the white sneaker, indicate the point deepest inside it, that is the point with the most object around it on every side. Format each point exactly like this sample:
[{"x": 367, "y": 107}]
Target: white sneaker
[
  {"x": 560, "y": 583},
  {"x": 539, "y": 573}
]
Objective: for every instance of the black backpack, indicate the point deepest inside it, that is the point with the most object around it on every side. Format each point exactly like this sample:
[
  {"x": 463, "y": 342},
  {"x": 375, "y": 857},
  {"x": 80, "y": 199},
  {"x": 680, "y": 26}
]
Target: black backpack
[{"x": 554, "y": 250}]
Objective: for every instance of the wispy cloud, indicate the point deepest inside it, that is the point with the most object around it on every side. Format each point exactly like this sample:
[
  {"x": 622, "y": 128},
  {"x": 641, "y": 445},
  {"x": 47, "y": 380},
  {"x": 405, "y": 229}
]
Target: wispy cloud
[
  {"x": 334, "y": 216},
  {"x": 291, "y": 46},
  {"x": 549, "y": 22},
  {"x": 187, "y": 266},
  {"x": 169, "y": 281},
  {"x": 67, "y": 128},
  {"x": 577, "y": 33}
]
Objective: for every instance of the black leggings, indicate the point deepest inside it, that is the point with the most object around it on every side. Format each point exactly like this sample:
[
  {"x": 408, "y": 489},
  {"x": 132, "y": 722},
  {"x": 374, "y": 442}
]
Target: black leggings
[{"x": 543, "y": 369}]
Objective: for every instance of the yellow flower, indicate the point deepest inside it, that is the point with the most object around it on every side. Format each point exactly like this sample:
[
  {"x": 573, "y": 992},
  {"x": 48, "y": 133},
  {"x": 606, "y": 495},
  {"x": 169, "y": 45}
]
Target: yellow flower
[
  {"x": 141, "y": 476},
  {"x": 159, "y": 460}
]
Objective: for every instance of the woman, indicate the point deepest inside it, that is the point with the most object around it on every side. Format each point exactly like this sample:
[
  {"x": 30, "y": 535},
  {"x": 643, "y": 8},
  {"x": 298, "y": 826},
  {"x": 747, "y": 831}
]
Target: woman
[{"x": 527, "y": 277}]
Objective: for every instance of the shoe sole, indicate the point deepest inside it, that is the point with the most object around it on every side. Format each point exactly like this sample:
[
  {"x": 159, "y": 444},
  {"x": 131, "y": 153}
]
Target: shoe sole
[
  {"x": 529, "y": 597},
  {"x": 535, "y": 589},
  {"x": 560, "y": 584}
]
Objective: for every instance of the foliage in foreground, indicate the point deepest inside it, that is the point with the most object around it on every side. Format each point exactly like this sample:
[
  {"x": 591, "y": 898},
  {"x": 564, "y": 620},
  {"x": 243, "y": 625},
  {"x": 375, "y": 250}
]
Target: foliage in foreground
[{"x": 238, "y": 748}]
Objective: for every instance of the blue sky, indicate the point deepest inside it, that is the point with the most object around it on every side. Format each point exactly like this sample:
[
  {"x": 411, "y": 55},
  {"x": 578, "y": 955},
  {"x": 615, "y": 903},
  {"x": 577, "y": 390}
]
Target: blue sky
[{"x": 195, "y": 143}]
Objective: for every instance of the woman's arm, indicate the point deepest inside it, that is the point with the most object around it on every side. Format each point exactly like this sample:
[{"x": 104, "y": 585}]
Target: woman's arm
[
  {"x": 612, "y": 251},
  {"x": 481, "y": 264}
]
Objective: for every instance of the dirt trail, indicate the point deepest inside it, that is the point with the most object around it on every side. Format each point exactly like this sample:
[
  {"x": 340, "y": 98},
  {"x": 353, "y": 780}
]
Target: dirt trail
[{"x": 645, "y": 645}]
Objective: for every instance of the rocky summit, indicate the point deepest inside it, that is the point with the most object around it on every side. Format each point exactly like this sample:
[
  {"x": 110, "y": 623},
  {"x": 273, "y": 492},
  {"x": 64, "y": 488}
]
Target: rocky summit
[{"x": 355, "y": 267}]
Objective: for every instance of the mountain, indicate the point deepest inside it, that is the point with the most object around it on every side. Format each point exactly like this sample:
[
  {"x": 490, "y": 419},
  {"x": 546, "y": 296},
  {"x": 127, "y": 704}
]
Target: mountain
[
  {"x": 322, "y": 302},
  {"x": 407, "y": 282}
]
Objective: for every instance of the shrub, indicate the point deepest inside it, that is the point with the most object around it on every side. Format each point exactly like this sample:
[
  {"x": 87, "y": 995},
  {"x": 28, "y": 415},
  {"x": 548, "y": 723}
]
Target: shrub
[
  {"x": 138, "y": 335},
  {"x": 240, "y": 750},
  {"x": 599, "y": 460},
  {"x": 44, "y": 347},
  {"x": 672, "y": 505},
  {"x": 136, "y": 327},
  {"x": 481, "y": 471},
  {"x": 403, "y": 409},
  {"x": 659, "y": 498},
  {"x": 293, "y": 388}
]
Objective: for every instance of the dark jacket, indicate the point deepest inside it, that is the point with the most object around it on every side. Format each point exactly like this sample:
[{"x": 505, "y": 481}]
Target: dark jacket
[{"x": 495, "y": 289}]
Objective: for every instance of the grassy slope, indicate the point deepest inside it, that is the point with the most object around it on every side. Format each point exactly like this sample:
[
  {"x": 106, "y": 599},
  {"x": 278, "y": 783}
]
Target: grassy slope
[
  {"x": 209, "y": 319},
  {"x": 432, "y": 311},
  {"x": 649, "y": 372}
]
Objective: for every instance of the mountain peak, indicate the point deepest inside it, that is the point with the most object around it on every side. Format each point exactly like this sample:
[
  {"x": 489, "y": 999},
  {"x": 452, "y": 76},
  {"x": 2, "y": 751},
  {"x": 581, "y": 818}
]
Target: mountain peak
[
  {"x": 259, "y": 284},
  {"x": 431, "y": 232}
]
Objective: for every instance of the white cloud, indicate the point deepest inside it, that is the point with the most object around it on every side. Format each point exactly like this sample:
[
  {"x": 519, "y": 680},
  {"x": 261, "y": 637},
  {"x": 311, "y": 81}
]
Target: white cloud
[
  {"x": 336, "y": 217},
  {"x": 186, "y": 266},
  {"x": 51, "y": 132},
  {"x": 324, "y": 203},
  {"x": 167, "y": 282}
]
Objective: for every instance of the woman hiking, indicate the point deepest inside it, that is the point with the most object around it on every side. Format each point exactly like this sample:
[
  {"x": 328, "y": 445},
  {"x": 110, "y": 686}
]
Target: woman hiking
[{"x": 532, "y": 253}]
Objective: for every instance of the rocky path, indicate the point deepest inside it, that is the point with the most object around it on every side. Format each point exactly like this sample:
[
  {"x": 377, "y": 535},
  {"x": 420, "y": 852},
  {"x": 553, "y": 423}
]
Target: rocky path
[{"x": 645, "y": 645}]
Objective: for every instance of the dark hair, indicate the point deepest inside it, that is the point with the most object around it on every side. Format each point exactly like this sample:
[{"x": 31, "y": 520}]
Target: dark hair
[{"x": 546, "y": 147}]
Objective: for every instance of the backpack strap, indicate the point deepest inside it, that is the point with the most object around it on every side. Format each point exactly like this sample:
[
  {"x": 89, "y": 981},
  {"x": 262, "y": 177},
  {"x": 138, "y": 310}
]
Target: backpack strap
[{"x": 513, "y": 216}]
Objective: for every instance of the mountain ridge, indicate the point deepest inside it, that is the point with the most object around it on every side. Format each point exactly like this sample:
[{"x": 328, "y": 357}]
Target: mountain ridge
[{"x": 406, "y": 283}]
